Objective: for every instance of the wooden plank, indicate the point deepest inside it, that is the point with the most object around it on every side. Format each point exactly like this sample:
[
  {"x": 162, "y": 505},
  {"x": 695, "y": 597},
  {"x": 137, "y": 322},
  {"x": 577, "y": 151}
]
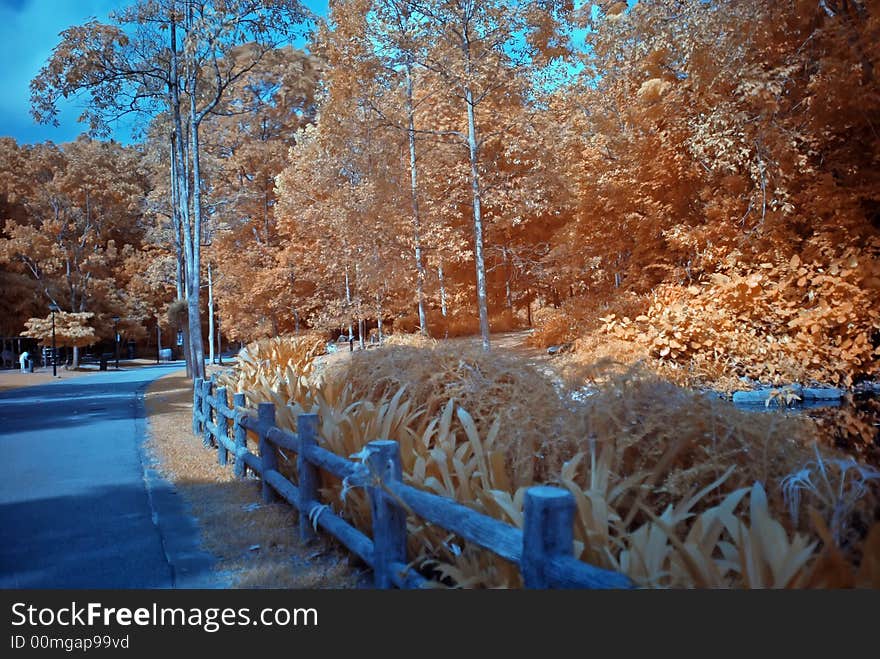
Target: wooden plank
[
  {"x": 211, "y": 429},
  {"x": 252, "y": 462},
  {"x": 568, "y": 572},
  {"x": 228, "y": 444},
  {"x": 197, "y": 405},
  {"x": 284, "y": 439},
  {"x": 223, "y": 423},
  {"x": 221, "y": 409},
  {"x": 482, "y": 530},
  {"x": 268, "y": 457},
  {"x": 250, "y": 422},
  {"x": 389, "y": 519},
  {"x": 288, "y": 491},
  {"x": 547, "y": 532},
  {"x": 405, "y": 577},
  {"x": 329, "y": 461},
  {"x": 239, "y": 434},
  {"x": 348, "y": 535},
  {"x": 221, "y": 406},
  {"x": 207, "y": 390},
  {"x": 307, "y": 473}
]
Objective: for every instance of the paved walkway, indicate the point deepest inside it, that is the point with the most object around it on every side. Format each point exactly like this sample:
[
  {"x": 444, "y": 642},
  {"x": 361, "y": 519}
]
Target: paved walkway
[{"x": 80, "y": 505}]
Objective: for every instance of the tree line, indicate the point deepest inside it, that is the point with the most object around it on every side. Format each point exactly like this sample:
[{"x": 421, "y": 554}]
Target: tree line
[{"x": 447, "y": 166}]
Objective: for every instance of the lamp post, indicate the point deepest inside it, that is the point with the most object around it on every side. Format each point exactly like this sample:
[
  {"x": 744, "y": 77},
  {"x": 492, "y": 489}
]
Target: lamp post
[
  {"x": 116, "y": 338},
  {"x": 53, "y": 308}
]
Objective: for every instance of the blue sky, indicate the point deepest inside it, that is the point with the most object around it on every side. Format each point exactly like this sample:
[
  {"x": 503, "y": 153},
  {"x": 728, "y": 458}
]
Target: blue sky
[{"x": 28, "y": 32}]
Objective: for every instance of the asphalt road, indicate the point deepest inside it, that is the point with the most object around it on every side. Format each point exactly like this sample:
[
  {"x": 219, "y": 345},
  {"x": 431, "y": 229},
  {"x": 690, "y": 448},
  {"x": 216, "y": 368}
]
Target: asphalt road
[{"x": 80, "y": 503}]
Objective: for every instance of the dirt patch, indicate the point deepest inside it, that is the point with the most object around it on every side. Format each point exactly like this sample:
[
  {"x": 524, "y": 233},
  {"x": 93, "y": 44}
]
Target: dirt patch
[{"x": 257, "y": 544}]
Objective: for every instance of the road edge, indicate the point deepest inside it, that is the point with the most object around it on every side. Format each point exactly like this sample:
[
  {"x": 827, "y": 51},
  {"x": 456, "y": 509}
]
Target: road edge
[{"x": 190, "y": 565}]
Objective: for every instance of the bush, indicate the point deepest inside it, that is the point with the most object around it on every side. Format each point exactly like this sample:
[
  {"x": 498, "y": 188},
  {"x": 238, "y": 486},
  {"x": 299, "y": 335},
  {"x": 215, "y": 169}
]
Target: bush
[
  {"x": 660, "y": 473},
  {"x": 810, "y": 318}
]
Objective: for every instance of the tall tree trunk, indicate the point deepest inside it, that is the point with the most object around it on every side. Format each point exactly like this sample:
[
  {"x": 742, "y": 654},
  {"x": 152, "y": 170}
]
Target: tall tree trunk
[
  {"x": 197, "y": 349},
  {"x": 175, "y": 214},
  {"x": 360, "y": 314},
  {"x": 193, "y": 266},
  {"x": 414, "y": 200},
  {"x": 379, "y": 315},
  {"x": 187, "y": 356},
  {"x": 191, "y": 185},
  {"x": 177, "y": 221},
  {"x": 210, "y": 316},
  {"x": 479, "y": 260},
  {"x": 181, "y": 186},
  {"x": 348, "y": 306},
  {"x": 442, "y": 288},
  {"x": 507, "y": 291}
]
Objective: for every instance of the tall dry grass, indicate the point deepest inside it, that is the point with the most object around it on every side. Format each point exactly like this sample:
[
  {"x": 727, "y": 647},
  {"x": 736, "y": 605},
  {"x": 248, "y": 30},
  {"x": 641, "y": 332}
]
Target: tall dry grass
[{"x": 673, "y": 488}]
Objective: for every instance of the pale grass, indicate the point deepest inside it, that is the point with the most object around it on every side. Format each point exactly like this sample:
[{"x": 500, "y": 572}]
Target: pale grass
[{"x": 256, "y": 543}]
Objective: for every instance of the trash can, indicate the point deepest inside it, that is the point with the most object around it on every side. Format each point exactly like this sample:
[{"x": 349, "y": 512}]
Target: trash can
[
  {"x": 130, "y": 350},
  {"x": 165, "y": 354},
  {"x": 29, "y": 366},
  {"x": 105, "y": 357}
]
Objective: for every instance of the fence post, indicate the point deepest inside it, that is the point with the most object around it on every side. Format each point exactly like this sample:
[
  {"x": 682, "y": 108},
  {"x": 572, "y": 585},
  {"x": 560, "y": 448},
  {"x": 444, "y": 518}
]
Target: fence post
[
  {"x": 547, "y": 531},
  {"x": 197, "y": 405},
  {"x": 207, "y": 390},
  {"x": 307, "y": 429},
  {"x": 268, "y": 457},
  {"x": 222, "y": 426},
  {"x": 240, "y": 435},
  {"x": 389, "y": 520}
]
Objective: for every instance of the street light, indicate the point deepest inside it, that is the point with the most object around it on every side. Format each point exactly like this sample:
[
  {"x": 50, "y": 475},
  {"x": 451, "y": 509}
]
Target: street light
[
  {"x": 54, "y": 308},
  {"x": 116, "y": 337}
]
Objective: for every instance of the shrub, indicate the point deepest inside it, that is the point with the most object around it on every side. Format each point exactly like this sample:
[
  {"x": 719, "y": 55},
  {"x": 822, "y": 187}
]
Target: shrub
[{"x": 673, "y": 487}]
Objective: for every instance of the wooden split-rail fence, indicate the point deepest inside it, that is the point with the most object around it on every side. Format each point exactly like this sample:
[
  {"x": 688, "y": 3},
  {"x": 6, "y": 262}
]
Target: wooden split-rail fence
[{"x": 543, "y": 549}]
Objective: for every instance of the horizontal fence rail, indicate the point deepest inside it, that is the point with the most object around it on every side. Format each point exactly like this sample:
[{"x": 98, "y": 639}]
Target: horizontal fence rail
[{"x": 543, "y": 549}]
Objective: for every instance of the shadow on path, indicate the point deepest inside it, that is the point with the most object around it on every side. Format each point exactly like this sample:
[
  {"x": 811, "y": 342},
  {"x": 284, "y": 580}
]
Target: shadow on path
[{"x": 80, "y": 506}]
